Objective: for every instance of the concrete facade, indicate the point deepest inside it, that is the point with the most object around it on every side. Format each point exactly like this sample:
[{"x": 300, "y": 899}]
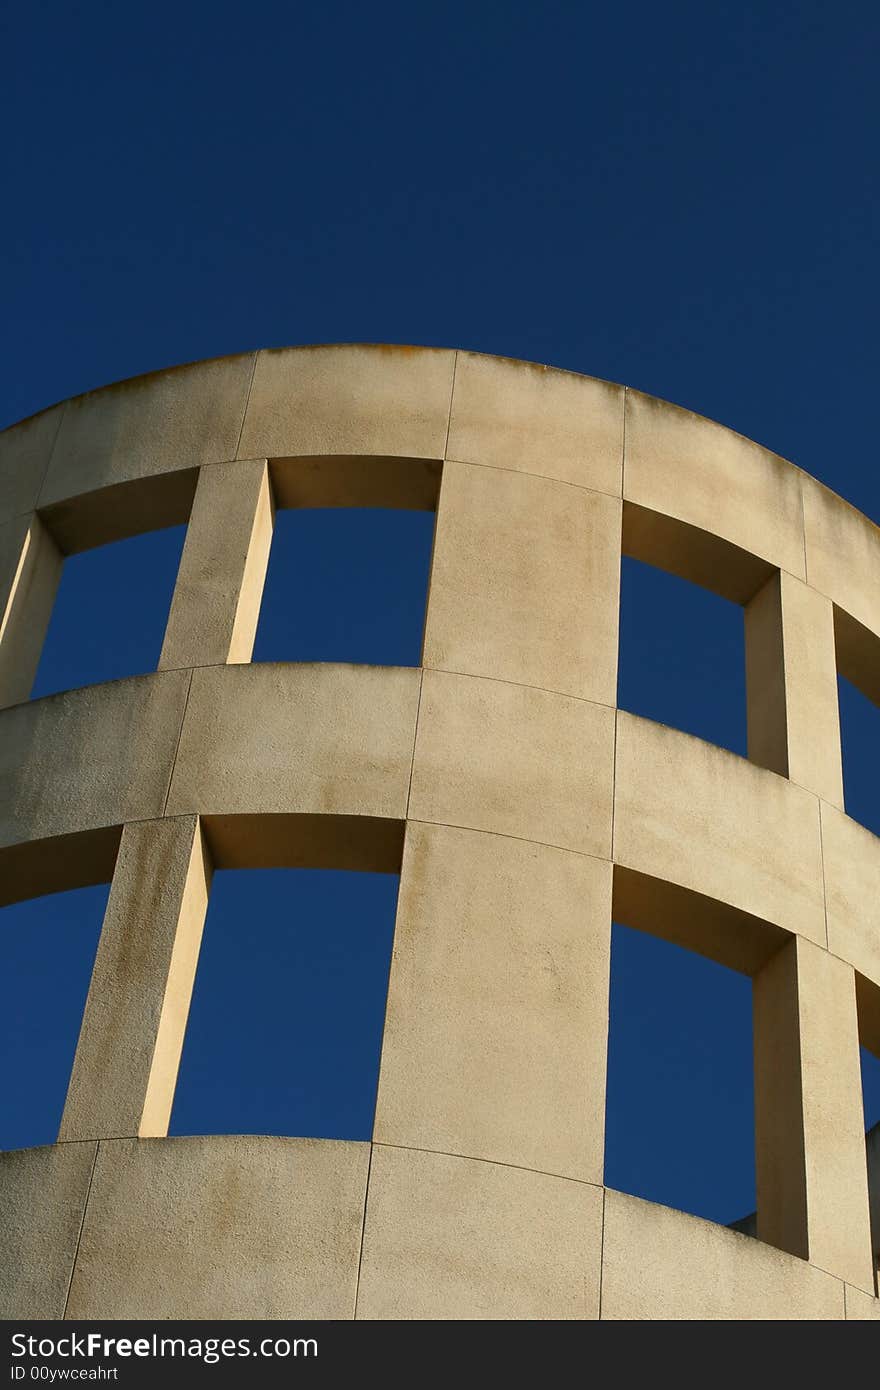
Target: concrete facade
[{"x": 521, "y": 807}]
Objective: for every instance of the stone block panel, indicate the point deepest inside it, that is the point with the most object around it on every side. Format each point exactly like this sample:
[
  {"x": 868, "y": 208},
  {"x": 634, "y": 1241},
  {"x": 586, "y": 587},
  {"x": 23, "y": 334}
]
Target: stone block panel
[
  {"x": 691, "y": 468},
  {"x": 86, "y": 758},
  {"x": 495, "y": 1032},
  {"x": 525, "y": 582},
  {"x": 451, "y": 1238},
  {"x": 221, "y": 1227},
  {"x": 843, "y": 553},
  {"x": 696, "y": 815},
  {"x": 534, "y": 419},
  {"x": 312, "y": 738},
  {"x": 25, "y": 450},
  {"x": 169, "y": 420},
  {"x": 514, "y": 760},
  {"x": 42, "y": 1199},
  {"x": 349, "y": 399},
  {"x": 662, "y": 1264}
]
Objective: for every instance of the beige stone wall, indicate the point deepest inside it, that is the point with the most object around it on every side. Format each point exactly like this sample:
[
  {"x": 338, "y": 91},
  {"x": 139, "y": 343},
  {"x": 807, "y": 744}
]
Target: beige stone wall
[{"x": 522, "y": 809}]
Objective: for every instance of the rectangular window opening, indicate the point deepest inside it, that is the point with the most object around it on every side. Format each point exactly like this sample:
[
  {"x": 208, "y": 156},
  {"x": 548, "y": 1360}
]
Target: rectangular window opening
[
  {"x": 49, "y": 946},
  {"x": 110, "y": 612},
  {"x": 871, "y": 1088},
  {"x": 682, "y": 656},
  {"x": 288, "y": 1008},
  {"x": 871, "y": 1103},
  {"x": 860, "y": 748},
  {"x": 679, "y": 1125},
  {"x": 346, "y": 584}
]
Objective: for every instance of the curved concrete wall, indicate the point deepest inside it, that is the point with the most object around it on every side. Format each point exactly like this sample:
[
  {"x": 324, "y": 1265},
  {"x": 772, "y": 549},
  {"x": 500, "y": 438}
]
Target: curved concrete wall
[{"x": 521, "y": 808}]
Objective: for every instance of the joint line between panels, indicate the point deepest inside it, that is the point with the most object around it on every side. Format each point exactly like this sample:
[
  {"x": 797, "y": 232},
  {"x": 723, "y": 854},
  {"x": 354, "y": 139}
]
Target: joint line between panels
[
  {"x": 614, "y": 780},
  {"x": 838, "y": 1278},
  {"x": 601, "y": 1254},
  {"x": 114, "y": 1138},
  {"x": 531, "y": 473},
  {"x": 804, "y": 524},
  {"x": 177, "y": 745},
  {"x": 412, "y": 765},
  {"x": 493, "y": 1162},
  {"x": 505, "y": 835},
  {"x": 822, "y": 870},
  {"x": 61, "y": 418},
  {"x": 357, "y": 1286},
  {"x": 520, "y": 685},
  {"x": 623, "y": 451},
  {"x": 451, "y": 399},
  {"x": 247, "y": 401},
  {"x": 81, "y": 1229}
]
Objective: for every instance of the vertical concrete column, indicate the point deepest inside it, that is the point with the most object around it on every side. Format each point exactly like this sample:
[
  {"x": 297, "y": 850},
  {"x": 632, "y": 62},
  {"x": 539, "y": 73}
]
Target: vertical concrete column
[
  {"x": 525, "y": 582},
  {"x": 125, "y": 1068},
  {"x": 497, "y": 1017},
  {"x": 809, "y": 1119},
  {"x": 30, "y": 567},
  {"x": 791, "y": 683},
  {"x": 216, "y": 603}
]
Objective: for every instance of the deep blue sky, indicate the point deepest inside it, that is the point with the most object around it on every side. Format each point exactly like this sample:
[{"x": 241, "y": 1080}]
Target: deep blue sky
[{"x": 681, "y": 197}]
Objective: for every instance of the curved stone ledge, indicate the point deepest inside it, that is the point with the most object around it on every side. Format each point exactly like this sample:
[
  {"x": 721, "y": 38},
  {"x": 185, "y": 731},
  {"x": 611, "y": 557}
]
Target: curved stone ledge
[
  {"x": 842, "y": 553},
  {"x": 25, "y": 450},
  {"x": 662, "y": 1264},
  {"x": 329, "y": 739},
  {"x": 291, "y": 738},
  {"x": 752, "y": 837},
  {"x": 98, "y": 756},
  {"x": 452, "y": 1238},
  {"x": 165, "y": 422},
  {"x": 349, "y": 399},
  {"x": 535, "y": 419},
  {"x": 515, "y": 760},
  {"x": 688, "y": 467},
  {"x": 237, "y": 1226},
  {"x": 388, "y": 401},
  {"x": 361, "y": 399},
  {"x": 221, "y": 1227}
]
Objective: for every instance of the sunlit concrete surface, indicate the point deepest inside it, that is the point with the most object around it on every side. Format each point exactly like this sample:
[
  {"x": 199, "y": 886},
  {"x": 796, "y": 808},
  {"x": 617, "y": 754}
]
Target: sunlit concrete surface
[{"x": 521, "y": 808}]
